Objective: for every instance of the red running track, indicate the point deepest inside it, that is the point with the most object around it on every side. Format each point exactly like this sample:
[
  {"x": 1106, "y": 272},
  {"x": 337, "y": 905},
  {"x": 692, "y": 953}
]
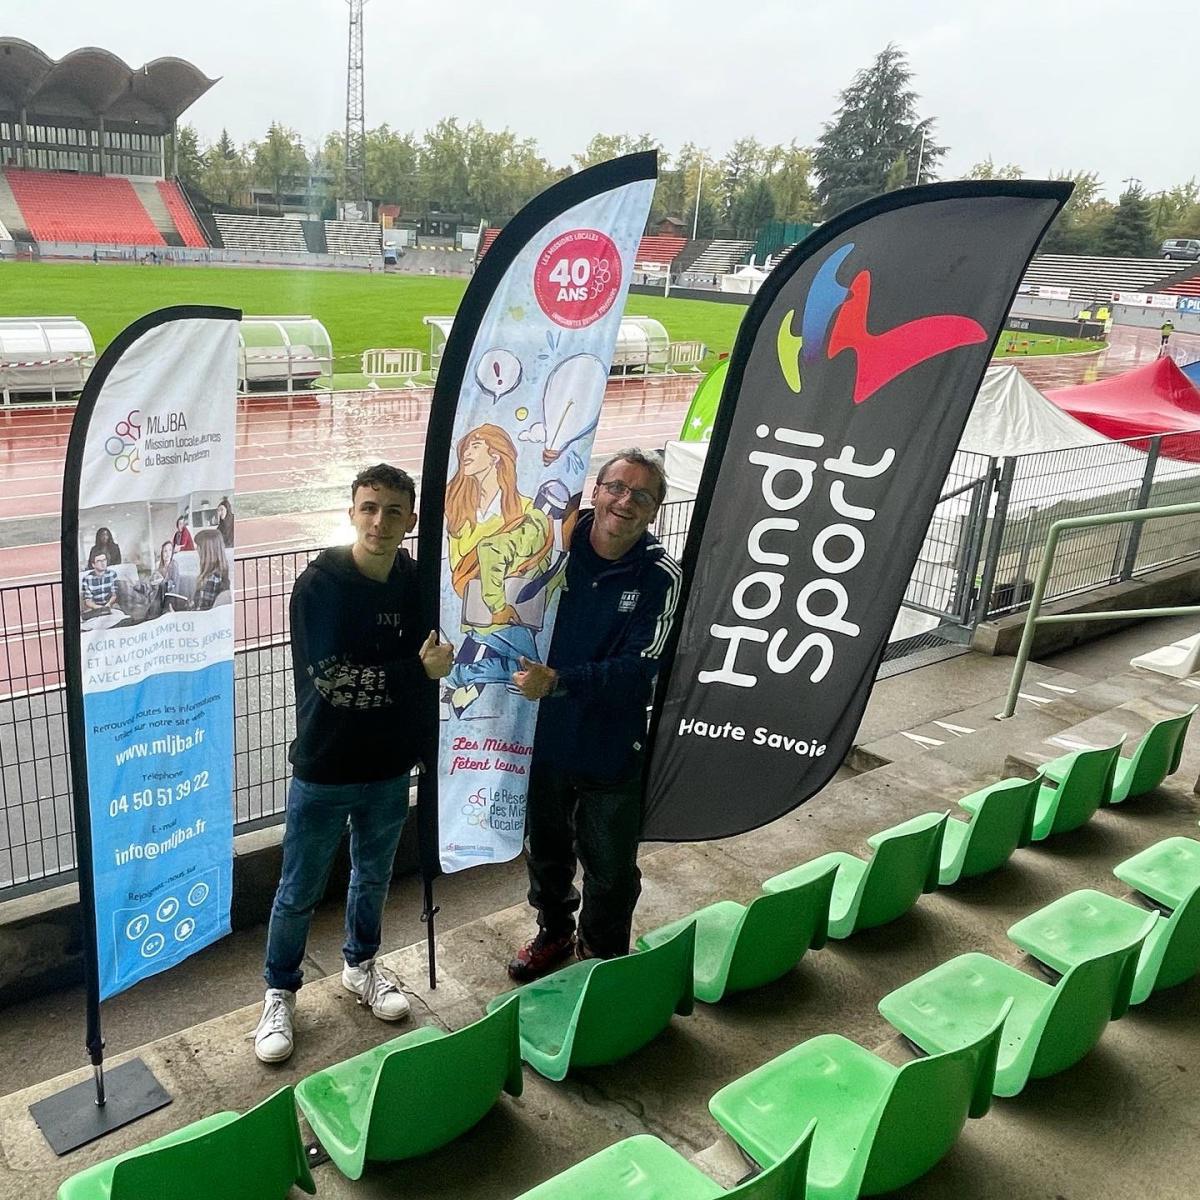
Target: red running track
[{"x": 307, "y": 442}]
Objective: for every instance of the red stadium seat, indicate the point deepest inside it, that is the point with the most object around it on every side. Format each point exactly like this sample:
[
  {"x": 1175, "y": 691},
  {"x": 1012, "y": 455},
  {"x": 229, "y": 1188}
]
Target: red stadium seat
[
  {"x": 181, "y": 213},
  {"x": 62, "y": 207}
]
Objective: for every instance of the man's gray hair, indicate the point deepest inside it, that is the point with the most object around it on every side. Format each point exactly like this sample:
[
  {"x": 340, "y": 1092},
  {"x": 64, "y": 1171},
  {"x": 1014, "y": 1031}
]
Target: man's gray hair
[{"x": 650, "y": 459}]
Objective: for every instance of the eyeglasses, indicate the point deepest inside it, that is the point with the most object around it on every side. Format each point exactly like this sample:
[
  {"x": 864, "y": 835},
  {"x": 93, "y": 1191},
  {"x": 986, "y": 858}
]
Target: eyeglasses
[{"x": 618, "y": 491}]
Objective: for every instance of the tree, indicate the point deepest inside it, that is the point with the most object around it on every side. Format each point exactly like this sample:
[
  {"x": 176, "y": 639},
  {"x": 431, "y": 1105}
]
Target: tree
[
  {"x": 612, "y": 145},
  {"x": 1129, "y": 230},
  {"x": 189, "y": 161},
  {"x": 753, "y": 207},
  {"x": 790, "y": 182},
  {"x": 443, "y": 160},
  {"x": 742, "y": 164},
  {"x": 278, "y": 157},
  {"x": 225, "y": 174},
  {"x": 988, "y": 170},
  {"x": 393, "y": 166},
  {"x": 1076, "y": 229},
  {"x": 875, "y": 127}
]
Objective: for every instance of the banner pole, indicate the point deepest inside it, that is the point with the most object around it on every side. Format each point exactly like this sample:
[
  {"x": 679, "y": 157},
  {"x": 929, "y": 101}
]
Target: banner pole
[{"x": 428, "y": 914}]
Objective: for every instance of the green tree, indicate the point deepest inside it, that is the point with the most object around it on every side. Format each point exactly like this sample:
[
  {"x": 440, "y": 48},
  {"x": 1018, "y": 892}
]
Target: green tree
[
  {"x": 743, "y": 164},
  {"x": 225, "y": 174},
  {"x": 1076, "y": 229},
  {"x": 875, "y": 127},
  {"x": 443, "y": 166},
  {"x": 988, "y": 170},
  {"x": 280, "y": 156},
  {"x": 753, "y": 207},
  {"x": 189, "y": 161},
  {"x": 393, "y": 166},
  {"x": 1129, "y": 230},
  {"x": 612, "y": 145},
  {"x": 791, "y": 183}
]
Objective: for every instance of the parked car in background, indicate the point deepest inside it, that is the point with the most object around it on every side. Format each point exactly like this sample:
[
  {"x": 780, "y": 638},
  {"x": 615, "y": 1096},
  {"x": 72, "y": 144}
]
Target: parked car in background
[{"x": 1187, "y": 249}]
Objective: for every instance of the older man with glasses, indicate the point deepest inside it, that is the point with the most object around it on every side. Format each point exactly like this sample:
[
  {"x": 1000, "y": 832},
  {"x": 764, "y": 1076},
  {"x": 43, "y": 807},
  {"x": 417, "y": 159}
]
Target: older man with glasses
[{"x": 585, "y": 787}]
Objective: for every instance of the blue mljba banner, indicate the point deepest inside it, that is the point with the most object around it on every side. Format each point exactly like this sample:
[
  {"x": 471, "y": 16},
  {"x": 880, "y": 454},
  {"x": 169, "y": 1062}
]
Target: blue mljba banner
[{"x": 148, "y": 632}]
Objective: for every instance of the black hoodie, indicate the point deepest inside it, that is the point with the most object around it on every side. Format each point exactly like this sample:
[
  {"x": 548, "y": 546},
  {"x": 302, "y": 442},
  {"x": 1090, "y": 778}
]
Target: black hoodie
[{"x": 357, "y": 672}]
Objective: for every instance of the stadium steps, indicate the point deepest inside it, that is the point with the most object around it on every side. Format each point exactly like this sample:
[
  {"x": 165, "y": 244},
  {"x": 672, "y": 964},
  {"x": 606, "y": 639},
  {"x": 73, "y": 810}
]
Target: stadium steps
[
  {"x": 354, "y": 237},
  {"x": 720, "y": 257},
  {"x": 1064, "y": 1146},
  {"x": 1095, "y": 278},
  {"x": 688, "y": 255},
  {"x": 154, "y": 204},
  {"x": 1185, "y": 282},
  {"x": 260, "y": 233},
  {"x": 10, "y": 213}
]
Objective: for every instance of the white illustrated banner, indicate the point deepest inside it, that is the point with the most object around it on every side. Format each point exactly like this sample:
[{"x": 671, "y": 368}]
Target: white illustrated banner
[
  {"x": 523, "y": 432},
  {"x": 156, "y": 559}
]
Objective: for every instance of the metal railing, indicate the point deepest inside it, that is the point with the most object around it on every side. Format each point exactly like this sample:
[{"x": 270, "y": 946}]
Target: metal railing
[{"x": 1035, "y": 618}]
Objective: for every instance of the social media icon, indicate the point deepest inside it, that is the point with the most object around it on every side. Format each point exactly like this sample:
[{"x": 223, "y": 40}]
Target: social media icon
[
  {"x": 167, "y": 909},
  {"x": 137, "y": 927},
  {"x": 185, "y": 929},
  {"x": 198, "y": 894},
  {"x": 153, "y": 945}
]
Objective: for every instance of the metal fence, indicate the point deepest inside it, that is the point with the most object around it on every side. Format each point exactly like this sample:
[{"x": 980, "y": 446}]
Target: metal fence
[{"x": 982, "y": 549}]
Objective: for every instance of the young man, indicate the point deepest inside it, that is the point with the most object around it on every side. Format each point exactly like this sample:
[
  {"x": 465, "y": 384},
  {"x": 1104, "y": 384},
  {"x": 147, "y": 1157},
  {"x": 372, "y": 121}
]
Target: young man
[
  {"x": 359, "y": 664},
  {"x": 585, "y": 784},
  {"x": 98, "y": 587}
]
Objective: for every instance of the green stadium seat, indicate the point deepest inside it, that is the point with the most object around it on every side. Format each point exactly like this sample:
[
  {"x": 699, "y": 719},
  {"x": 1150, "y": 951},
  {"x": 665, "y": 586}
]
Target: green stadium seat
[
  {"x": 362, "y": 1109},
  {"x": 1086, "y": 923},
  {"x": 1049, "y": 1029},
  {"x": 601, "y": 1010},
  {"x": 1001, "y": 822},
  {"x": 644, "y": 1168},
  {"x": 1167, "y": 872},
  {"x": 1082, "y": 782},
  {"x": 739, "y": 947},
  {"x": 1155, "y": 757},
  {"x": 867, "y": 894},
  {"x": 255, "y": 1156},
  {"x": 879, "y": 1126}
]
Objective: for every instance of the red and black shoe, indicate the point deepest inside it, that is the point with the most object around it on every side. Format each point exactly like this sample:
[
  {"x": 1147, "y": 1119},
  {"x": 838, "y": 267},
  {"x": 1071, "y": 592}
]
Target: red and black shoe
[{"x": 540, "y": 956}]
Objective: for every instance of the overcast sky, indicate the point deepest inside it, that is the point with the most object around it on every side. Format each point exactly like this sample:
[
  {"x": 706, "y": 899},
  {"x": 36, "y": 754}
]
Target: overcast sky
[{"x": 1047, "y": 84}]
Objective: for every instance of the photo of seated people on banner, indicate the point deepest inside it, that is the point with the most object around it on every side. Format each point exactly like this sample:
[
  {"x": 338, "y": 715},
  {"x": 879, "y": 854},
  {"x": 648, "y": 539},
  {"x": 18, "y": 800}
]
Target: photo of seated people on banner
[{"x": 142, "y": 560}]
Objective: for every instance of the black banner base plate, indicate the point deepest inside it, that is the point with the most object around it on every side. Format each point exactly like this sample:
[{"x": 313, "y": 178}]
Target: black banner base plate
[{"x": 72, "y": 1118}]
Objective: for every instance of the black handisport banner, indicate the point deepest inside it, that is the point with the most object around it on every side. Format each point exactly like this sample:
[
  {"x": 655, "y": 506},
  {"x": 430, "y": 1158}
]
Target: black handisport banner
[{"x": 850, "y": 383}]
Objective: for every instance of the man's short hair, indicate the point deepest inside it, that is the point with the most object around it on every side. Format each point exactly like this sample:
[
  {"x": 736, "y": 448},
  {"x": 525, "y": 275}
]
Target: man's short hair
[
  {"x": 650, "y": 459},
  {"x": 381, "y": 475}
]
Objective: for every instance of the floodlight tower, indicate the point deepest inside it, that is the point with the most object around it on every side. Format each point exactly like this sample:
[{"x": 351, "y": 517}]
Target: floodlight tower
[{"x": 356, "y": 130}]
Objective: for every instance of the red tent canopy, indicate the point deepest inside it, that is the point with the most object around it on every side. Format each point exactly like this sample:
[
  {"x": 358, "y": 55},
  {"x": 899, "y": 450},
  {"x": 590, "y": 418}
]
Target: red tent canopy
[{"x": 1156, "y": 398}]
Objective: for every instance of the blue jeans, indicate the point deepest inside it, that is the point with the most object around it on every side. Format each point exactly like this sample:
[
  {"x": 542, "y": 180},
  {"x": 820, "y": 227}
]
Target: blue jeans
[{"x": 317, "y": 814}]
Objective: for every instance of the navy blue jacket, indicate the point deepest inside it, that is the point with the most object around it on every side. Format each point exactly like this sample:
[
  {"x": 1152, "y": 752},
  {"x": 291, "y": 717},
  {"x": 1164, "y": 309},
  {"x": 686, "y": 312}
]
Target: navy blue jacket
[{"x": 612, "y": 625}]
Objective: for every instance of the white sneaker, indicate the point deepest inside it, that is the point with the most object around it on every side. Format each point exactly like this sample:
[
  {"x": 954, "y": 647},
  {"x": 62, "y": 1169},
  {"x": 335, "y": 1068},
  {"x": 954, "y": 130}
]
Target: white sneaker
[
  {"x": 376, "y": 987},
  {"x": 273, "y": 1039}
]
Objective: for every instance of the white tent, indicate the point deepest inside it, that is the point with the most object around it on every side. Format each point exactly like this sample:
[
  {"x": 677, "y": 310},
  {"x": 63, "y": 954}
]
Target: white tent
[
  {"x": 1010, "y": 416},
  {"x": 746, "y": 280}
]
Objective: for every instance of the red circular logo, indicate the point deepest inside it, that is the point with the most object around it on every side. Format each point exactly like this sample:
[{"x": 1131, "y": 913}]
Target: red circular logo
[{"x": 577, "y": 277}]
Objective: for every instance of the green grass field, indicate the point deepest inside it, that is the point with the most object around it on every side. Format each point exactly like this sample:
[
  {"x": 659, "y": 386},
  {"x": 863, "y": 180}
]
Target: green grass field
[
  {"x": 1018, "y": 345},
  {"x": 360, "y": 311}
]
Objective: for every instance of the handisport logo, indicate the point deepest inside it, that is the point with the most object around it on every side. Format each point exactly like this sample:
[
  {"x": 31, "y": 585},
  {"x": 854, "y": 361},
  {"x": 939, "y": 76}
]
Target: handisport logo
[
  {"x": 121, "y": 444},
  {"x": 835, "y": 319}
]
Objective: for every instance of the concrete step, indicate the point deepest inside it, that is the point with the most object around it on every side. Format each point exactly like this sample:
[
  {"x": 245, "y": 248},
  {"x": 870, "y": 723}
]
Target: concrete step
[{"x": 1118, "y": 1093}]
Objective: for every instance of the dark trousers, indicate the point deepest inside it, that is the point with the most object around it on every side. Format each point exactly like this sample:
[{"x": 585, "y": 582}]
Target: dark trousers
[{"x": 596, "y": 823}]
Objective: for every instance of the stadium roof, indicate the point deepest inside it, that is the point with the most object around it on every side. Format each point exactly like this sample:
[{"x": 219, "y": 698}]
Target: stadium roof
[{"x": 91, "y": 82}]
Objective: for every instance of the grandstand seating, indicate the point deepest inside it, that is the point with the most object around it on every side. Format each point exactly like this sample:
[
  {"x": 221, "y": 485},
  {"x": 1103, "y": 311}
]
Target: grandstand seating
[
  {"x": 62, "y": 207},
  {"x": 260, "y": 233},
  {"x": 485, "y": 242},
  {"x": 662, "y": 249},
  {"x": 1091, "y": 278},
  {"x": 1183, "y": 283},
  {"x": 354, "y": 237},
  {"x": 181, "y": 213},
  {"x": 720, "y": 258},
  {"x": 776, "y": 258}
]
